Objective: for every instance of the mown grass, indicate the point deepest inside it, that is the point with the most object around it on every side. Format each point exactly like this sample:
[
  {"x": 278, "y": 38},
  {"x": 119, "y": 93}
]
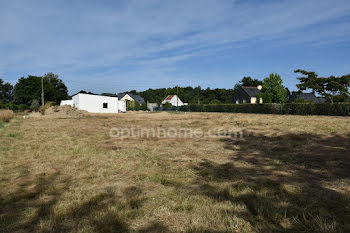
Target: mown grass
[{"x": 287, "y": 174}]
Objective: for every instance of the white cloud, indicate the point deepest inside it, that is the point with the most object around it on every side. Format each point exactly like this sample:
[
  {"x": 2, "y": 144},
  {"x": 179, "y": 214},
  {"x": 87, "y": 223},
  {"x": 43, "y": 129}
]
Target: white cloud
[{"x": 141, "y": 38}]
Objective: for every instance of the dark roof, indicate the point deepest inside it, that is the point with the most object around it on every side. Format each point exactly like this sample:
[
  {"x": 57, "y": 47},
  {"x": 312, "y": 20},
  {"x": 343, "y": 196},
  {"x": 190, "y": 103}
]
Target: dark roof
[
  {"x": 305, "y": 96},
  {"x": 121, "y": 95},
  {"x": 136, "y": 98},
  {"x": 251, "y": 91}
]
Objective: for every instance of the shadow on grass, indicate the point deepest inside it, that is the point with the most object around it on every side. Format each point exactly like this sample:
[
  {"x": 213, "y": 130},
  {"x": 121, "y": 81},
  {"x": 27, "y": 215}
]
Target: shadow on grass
[
  {"x": 32, "y": 207},
  {"x": 288, "y": 183}
]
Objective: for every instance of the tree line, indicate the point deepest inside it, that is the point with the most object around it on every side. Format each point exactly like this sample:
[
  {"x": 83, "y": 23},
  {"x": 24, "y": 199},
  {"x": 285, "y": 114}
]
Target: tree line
[
  {"x": 26, "y": 93},
  {"x": 333, "y": 89}
]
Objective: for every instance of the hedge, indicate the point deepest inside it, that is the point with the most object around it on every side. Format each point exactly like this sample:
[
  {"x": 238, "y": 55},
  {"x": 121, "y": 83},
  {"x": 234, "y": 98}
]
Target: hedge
[
  {"x": 331, "y": 109},
  {"x": 14, "y": 107}
]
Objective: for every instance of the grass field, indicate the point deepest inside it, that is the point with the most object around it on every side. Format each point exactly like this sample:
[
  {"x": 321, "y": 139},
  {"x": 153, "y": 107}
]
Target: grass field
[{"x": 286, "y": 174}]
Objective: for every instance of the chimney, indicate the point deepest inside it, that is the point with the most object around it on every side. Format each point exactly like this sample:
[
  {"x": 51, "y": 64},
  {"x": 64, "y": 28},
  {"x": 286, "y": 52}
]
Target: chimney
[{"x": 259, "y": 87}]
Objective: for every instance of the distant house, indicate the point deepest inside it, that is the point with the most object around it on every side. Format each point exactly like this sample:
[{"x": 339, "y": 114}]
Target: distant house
[
  {"x": 173, "y": 100},
  {"x": 132, "y": 97},
  {"x": 96, "y": 103},
  {"x": 247, "y": 95},
  {"x": 152, "y": 106},
  {"x": 307, "y": 97}
]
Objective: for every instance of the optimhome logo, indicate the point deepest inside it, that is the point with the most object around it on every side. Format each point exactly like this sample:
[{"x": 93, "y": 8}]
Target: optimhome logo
[{"x": 161, "y": 132}]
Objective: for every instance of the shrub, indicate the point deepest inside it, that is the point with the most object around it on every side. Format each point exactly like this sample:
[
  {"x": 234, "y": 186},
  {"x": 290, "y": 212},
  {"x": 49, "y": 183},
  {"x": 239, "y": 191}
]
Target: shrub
[
  {"x": 14, "y": 107},
  {"x": 34, "y": 106},
  {"x": 132, "y": 105},
  {"x": 6, "y": 115},
  {"x": 167, "y": 106},
  {"x": 143, "y": 107},
  {"x": 215, "y": 101},
  {"x": 332, "y": 109},
  {"x": 22, "y": 107},
  {"x": 50, "y": 104}
]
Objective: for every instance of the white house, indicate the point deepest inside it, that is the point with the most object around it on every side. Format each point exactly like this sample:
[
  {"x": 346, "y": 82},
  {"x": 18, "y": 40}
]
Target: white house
[
  {"x": 173, "y": 100},
  {"x": 131, "y": 97},
  {"x": 125, "y": 96},
  {"x": 96, "y": 103}
]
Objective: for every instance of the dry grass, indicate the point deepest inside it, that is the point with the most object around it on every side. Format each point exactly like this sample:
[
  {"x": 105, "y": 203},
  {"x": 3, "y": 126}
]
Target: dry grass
[
  {"x": 6, "y": 115},
  {"x": 287, "y": 174}
]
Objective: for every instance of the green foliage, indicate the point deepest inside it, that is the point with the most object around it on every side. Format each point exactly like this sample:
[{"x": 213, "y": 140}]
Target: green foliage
[
  {"x": 34, "y": 106},
  {"x": 107, "y": 94},
  {"x": 332, "y": 109},
  {"x": 273, "y": 90},
  {"x": 14, "y": 107},
  {"x": 167, "y": 106},
  {"x": 55, "y": 90},
  {"x": 50, "y": 104},
  {"x": 248, "y": 82},
  {"x": 22, "y": 107},
  {"x": 6, "y": 92},
  {"x": 88, "y": 92},
  {"x": 143, "y": 107},
  {"x": 28, "y": 89},
  {"x": 215, "y": 101},
  {"x": 188, "y": 94},
  {"x": 334, "y": 89},
  {"x": 133, "y": 105},
  {"x": 302, "y": 101},
  {"x": 267, "y": 97}
]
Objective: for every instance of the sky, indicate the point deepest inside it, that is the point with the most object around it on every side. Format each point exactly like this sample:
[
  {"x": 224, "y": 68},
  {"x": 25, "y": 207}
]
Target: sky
[{"x": 120, "y": 45}]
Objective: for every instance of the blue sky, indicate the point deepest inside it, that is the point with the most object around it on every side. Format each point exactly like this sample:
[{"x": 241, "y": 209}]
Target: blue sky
[{"x": 109, "y": 46}]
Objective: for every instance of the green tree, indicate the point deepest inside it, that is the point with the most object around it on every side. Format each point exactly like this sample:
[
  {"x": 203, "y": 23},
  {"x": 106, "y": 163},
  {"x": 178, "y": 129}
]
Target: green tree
[
  {"x": 334, "y": 89},
  {"x": 55, "y": 90},
  {"x": 188, "y": 94},
  {"x": 6, "y": 92},
  {"x": 28, "y": 89},
  {"x": 273, "y": 90},
  {"x": 248, "y": 82},
  {"x": 132, "y": 105}
]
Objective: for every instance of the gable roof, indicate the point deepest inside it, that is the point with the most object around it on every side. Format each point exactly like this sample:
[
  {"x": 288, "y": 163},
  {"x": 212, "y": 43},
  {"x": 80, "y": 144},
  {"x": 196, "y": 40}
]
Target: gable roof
[
  {"x": 251, "y": 91},
  {"x": 121, "y": 95},
  {"x": 136, "y": 98},
  {"x": 169, "y": 97},
  {"x": 305, "y": 96}
]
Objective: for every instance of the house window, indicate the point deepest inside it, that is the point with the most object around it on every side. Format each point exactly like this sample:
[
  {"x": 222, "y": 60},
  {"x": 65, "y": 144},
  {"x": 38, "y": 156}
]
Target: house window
[
  {"x": 244, "y": 101},
  {"x": 105, "y": 105},
  {"x": 237, "y": 101}
]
